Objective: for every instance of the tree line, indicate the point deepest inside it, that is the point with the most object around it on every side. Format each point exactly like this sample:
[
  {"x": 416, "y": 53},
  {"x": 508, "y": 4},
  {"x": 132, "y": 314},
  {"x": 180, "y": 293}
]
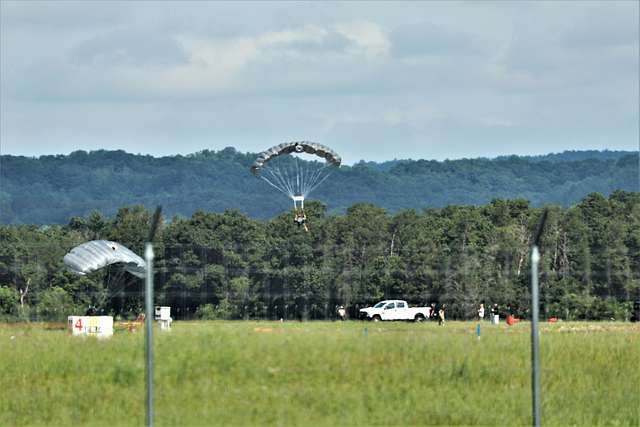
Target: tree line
[
  {"x": 230, "y": 266},
  {"x": 51, "y": 189}
]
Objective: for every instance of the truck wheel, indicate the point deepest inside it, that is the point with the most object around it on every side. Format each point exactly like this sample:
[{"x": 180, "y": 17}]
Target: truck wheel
[
  {"x": 376, "y": 318},
  {"x": 419, "y": 318}
]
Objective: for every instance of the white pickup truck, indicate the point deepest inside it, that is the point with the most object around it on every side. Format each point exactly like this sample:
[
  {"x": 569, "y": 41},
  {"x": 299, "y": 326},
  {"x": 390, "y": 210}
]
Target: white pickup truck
[{"x": 394, "y": 310}]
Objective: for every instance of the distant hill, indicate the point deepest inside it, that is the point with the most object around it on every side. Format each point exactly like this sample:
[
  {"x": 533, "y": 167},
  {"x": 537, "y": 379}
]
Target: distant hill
[
  {"x": 52, "y": 189},
  {"x": 573, "y": 156}
]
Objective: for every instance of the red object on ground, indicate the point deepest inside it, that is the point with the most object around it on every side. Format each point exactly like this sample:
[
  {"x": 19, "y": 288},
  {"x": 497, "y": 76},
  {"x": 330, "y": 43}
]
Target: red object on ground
[
  {"x": 552, "y": 320},
  {"x": 511, "y": 320}
]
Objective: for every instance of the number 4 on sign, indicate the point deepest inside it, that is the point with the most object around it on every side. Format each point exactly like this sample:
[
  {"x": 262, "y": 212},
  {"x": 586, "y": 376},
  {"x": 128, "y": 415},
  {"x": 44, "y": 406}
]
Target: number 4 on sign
[{"x": 78, "y": 324}]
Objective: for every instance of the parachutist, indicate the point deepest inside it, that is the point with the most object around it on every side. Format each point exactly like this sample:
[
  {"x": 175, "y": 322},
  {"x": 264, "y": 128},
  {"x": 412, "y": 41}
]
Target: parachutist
[
  {"x": 296, "y": 177},
  {"x": 300, "y": 219}
]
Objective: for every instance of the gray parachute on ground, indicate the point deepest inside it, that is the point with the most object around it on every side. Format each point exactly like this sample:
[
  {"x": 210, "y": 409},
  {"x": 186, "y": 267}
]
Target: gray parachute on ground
[
  {"x": 91, "y": 256},
  {"x": 320, "y": 150}
]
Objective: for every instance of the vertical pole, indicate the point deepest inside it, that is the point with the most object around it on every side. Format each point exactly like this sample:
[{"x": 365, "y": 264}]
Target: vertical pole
[
  {"x": 149, "y": 315},
  {"x": 535, "y": 345}
]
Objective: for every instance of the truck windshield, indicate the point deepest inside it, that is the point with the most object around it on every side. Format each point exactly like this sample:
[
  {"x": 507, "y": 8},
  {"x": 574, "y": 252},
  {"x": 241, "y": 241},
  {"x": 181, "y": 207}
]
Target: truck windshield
[{"x": 379, "y": 305}]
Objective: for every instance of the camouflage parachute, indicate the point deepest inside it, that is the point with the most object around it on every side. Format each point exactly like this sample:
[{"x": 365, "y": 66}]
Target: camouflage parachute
[
  {"x": 295, "y": 178},
  {"x": 296, "y": 147}
]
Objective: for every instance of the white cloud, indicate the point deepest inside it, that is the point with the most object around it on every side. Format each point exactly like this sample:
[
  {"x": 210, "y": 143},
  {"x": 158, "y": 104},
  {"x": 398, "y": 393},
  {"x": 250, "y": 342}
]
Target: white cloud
[
  {"x": 211, "y": 66},
  {"x": 414, "y": 117},
  {"x": 367, "y": 37},
  {"x": 399, "y": 74}
]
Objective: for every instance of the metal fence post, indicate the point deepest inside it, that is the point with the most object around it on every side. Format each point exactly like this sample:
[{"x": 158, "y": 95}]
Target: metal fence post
[
  {"x": 535, "y": 306},
  {"x": 535, "y": 344},
  {"x": 149, "y": 315}
]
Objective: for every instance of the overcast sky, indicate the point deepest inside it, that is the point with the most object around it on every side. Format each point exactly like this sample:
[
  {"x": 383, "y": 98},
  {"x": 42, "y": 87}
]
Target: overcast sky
[{"x": 375, "y": 81}]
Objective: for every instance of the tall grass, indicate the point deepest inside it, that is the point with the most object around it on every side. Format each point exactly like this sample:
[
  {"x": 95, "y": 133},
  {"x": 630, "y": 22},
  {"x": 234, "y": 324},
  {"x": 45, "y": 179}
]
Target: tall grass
[{"x": 323, "y": 373}]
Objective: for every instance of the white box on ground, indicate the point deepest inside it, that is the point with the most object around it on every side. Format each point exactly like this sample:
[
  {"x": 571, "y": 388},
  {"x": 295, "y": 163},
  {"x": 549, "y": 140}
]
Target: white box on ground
[
  {"x": 163, "y": 316},
  {"x": 97, "y": 326},
  {"x": 163, "y": 313}
]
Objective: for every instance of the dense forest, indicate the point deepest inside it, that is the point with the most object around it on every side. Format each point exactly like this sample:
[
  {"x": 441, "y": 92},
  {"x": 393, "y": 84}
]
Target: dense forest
[
  {"x": 51, "y": 189},
  {"x": 228, "y": 265}
]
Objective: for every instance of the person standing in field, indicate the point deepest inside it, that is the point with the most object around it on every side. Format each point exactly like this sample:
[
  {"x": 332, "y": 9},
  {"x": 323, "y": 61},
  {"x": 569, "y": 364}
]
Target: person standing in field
[
  {"x": 481, "y": 312},
  {"x": 495, "y": 314},
  {"x": 441, "y": 314},
  {"x": 434, "y": 312}
]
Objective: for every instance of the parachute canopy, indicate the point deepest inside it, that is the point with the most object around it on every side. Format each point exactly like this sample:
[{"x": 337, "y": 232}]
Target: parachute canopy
[
  {"x": 91, "y": 256},
  {"x": 296, "y": 147},
  {"x": 291, "y": 176}
]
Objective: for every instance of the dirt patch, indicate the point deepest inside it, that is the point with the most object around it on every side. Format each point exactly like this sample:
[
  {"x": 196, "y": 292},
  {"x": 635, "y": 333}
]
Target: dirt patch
[{"x": 267, "y": 330}]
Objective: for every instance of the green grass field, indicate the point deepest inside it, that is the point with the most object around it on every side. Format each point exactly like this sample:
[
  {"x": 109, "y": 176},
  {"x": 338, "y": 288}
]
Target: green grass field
[{"x": 323, "y": 373}]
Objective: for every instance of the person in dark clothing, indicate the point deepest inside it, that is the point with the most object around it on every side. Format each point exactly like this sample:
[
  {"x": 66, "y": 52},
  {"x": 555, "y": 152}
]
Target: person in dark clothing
[
  {"x": 495, "y": 314},
  {"x": 300, "y": 219},
  {"x": 434, "y": 312}
]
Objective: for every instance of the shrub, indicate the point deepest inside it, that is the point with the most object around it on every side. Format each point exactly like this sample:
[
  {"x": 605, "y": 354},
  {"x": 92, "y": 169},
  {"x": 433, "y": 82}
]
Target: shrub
[
  {"x": 211, "y": 312},
  {"x": 8, "y": 301},
  {"x": 55, "y": 304}
]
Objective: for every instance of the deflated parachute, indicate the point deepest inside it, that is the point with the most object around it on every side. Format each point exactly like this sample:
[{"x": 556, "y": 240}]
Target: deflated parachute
[
  {"x": 294, "y": 177},
  {"x": 91, "y": 256}
]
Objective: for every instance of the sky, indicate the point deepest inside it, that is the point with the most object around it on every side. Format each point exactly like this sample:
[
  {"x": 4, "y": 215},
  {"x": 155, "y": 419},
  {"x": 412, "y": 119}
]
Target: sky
[{"x": 375, "y": 81}]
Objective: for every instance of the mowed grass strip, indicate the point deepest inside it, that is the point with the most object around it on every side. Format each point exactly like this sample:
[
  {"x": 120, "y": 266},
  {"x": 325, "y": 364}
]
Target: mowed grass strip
[{"x": 323, "y": 373}]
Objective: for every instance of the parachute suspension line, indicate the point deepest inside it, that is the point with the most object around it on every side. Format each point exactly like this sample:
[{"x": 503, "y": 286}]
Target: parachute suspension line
[
  {"x": 319, "y": 182},
  {"x": 278, "y": 181},
  {"x": 298, "y": 185},
  {"x": 295, "y": 177},
  {"x": 273, "y": 185},
  {"x": 278, "y": 177},
  {"x": 295, "y": 181},
  {"x": 313, "y": 181},
  {"x": 287, "y": 178},
  {"x": 302, "y": 179},
  {"x": 112, "y": 285},
  {"x": 308, "y": 179}
]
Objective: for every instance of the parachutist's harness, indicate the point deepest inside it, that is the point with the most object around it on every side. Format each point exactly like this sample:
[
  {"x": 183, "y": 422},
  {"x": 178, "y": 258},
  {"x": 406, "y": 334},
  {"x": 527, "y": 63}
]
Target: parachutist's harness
[{"x": 300, "y": 219}]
